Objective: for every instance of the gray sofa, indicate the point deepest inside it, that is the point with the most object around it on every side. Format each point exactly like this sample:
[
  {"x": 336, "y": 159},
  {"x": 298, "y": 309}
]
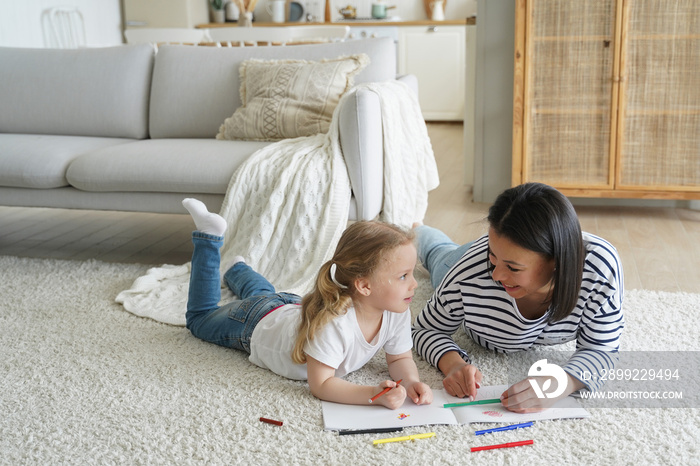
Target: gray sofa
[{"x": 124, "y": 128}]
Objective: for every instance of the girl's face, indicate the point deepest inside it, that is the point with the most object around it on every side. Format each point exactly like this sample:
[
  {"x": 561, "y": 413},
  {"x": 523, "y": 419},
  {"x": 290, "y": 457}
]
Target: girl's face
[
  {"x": 520, "y": 271},
  {"x": 392, "y": 285}
]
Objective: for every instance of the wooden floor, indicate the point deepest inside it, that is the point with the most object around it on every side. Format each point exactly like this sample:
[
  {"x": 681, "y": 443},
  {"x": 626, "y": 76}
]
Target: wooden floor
[{"x": 659, "y": 247}]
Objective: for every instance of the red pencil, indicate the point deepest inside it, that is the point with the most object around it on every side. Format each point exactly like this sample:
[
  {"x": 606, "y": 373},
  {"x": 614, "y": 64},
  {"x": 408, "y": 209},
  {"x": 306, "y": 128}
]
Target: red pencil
[
  {"x": 504, "y": 445},
  {"x": 374, "y": 398},
  {"x": 271, "y": 421}
]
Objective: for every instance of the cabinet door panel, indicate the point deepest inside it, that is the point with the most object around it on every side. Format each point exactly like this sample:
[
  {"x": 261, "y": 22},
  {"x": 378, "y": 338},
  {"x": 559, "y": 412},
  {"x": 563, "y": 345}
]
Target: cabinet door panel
[
  {"x": 657, "y": 17},
  {"x": 437, "y": 57},
  {"x": 661, "y": 152},
  {"x": 660, "y": 143},
  {"x": 571, "y": 18},
  {"x": 572, "y": 150},
  {"x": 569, "y": 93},
  {"x": 573, "y": 76}
]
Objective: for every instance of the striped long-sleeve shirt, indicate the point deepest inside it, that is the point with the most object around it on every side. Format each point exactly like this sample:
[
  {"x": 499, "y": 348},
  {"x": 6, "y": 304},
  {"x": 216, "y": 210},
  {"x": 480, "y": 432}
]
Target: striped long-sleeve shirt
[{"x": 470, "y": 298}]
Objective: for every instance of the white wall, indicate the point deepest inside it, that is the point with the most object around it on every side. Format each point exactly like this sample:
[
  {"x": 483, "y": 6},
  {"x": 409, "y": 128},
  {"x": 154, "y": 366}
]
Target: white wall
[
  {"x": 20, "y": 21},
  {"x": 493, "y": 115}
]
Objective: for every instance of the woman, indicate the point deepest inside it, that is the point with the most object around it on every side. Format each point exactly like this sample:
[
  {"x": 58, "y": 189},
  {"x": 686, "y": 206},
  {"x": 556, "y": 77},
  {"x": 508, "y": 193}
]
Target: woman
[{"x": 534, "y": 279}]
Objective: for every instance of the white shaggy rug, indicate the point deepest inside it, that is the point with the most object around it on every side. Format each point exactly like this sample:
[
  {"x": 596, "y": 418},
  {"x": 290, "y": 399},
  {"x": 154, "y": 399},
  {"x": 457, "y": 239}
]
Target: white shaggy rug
[{"x": 85, "y": 382}]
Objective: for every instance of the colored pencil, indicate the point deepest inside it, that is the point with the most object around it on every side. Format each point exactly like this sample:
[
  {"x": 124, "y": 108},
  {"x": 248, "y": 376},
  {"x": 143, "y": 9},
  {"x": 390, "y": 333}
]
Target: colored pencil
[
  {"x": 501, "y": 429},
  {"x": 370, "y": 431},
  {"x": 270, "y": 421},
  {"x": 468, "y": 403},
  {"x": 504, "y": 445},
  {"x": 403, "y": 439}
]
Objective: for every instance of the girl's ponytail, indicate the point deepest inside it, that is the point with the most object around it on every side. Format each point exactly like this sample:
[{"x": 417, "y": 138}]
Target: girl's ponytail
[{"x": 327, "y": 301}]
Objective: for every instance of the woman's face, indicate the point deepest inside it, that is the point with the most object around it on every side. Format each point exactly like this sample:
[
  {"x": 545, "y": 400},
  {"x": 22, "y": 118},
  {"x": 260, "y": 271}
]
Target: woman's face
[{"x": 520, "y": 271}]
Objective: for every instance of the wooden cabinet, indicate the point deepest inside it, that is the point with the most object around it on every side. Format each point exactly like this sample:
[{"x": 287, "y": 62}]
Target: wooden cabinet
[
  {"x": 436, "y": 55},
  {"x": 606, "y": 97}
]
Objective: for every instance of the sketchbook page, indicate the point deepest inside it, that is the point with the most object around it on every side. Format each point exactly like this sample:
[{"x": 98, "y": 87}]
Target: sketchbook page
[
  {"x": 338, "y": 416},
  {"x": 563, "y": 409}
]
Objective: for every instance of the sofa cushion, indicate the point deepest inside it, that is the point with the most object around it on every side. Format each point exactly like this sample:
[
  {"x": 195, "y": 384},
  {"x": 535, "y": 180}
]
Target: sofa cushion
[
  {"x": 162, "y": 165},
  {"x": 196, "y": 88},
  {"x": 289, "y": 98},
  {"x": 41, "y": 161},
  {"x": 85, "y": 92}
]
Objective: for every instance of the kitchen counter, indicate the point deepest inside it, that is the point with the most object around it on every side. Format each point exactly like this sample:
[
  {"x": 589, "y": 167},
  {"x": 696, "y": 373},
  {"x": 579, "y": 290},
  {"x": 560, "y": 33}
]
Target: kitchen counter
[{"x": 351, "y": 23}]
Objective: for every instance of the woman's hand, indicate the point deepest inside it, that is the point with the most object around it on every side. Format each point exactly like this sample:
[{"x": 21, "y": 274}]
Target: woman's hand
[
  {"x": 420, "y": 393},
  {"x": 392, "y": 399},
  {"x": 462, "y": 381},
  {"x": 521, "y": 397}
]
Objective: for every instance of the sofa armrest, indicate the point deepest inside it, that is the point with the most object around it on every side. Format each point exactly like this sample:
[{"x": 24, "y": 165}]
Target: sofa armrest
[
  {"x": 361, "y": 142},
  {"x": 411, "y": 80}
]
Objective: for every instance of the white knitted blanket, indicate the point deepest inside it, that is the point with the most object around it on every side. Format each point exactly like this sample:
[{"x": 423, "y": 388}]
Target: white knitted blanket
[{"x": 287, "y": 205}]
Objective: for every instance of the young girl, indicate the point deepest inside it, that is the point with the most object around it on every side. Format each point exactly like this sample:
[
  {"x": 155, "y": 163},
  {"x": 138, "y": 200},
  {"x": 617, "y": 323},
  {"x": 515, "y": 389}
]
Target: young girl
[{"x": 358, "y": 306}]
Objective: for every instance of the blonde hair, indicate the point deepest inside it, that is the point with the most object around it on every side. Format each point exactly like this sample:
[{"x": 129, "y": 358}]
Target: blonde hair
[{"x": 360, "y": 250}]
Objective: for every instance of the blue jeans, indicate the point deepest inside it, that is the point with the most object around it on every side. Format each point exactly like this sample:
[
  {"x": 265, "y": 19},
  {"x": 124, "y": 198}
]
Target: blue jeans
[
  {"x": 232, "y": 324},
  {"x": 437, "y": 252}
]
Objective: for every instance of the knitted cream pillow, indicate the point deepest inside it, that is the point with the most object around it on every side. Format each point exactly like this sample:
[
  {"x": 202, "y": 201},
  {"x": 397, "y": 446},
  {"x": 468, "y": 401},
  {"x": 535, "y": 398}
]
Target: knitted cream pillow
[{"x": 289, "y": 98}]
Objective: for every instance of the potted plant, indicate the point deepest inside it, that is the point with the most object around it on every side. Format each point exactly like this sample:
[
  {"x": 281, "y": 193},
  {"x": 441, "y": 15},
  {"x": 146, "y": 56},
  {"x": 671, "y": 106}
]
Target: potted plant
[{"x": 217, "y": 11}]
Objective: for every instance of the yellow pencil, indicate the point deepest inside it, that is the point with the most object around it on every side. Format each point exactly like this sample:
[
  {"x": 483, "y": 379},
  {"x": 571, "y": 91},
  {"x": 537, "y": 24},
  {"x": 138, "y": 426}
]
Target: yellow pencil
[{"x": 404, "y": 438}]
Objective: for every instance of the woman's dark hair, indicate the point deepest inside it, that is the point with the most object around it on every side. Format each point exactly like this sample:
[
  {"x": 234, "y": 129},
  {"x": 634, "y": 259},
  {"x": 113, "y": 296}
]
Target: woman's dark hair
[{"x": 539, "y": 218}]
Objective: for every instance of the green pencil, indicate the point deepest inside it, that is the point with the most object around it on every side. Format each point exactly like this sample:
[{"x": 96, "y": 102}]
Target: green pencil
[{"x": 467, "y": 403}]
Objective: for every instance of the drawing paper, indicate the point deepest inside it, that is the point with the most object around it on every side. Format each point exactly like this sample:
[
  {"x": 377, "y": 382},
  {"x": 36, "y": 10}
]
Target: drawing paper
[{"x": 338, "y": 416}]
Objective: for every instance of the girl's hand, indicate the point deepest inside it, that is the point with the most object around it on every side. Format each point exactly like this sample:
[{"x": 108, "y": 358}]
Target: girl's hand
[
  {"x": 420, "y": 393},
  {"x": 394, "y": 398},
  {"x": 462, "y": 381}
]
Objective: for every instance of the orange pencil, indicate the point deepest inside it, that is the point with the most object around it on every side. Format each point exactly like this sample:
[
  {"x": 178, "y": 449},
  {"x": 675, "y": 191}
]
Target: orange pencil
[
  {"x": 270, "y": 421},
  {"x": 374, "y": 398}
]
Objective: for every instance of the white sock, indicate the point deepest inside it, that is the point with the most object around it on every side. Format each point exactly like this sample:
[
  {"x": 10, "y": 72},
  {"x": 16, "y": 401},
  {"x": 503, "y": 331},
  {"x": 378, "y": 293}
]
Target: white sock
[
  {"x": 235, "y": 260},
  {"x": 205, "y": 221},
  {"x": 228, "y": 266}
]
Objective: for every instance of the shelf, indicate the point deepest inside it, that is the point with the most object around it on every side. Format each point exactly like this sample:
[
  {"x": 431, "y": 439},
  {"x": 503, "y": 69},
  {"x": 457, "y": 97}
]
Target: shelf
[{"x": 427, "y": 22}]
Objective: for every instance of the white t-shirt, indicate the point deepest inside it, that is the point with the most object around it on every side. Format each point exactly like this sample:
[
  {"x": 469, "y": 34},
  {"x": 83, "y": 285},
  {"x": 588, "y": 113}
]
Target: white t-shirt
[{"x": 340, "y": 344}]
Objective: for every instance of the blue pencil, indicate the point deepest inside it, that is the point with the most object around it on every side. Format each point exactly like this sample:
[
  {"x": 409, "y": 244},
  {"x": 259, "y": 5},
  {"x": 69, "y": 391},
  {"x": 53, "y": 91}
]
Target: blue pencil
[{"x": 500, "y": 429}]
